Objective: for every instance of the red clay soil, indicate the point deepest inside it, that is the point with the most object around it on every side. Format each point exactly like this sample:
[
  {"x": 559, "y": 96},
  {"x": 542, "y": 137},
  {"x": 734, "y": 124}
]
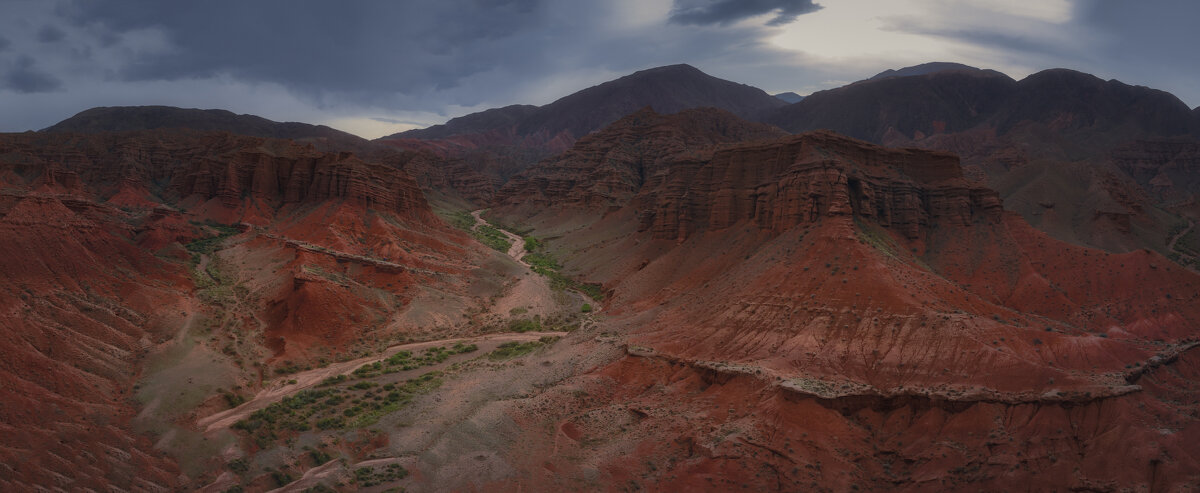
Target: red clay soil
[
  {"x": 81, "y": 303},
  {"x": 331, "y": 248},
  {"x": 821, "y": 312}
]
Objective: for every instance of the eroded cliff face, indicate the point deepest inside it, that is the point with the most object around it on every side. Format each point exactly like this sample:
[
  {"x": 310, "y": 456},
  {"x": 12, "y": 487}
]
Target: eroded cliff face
[
  {"x": 606, "y": 169},
  {"x": 781, "y": 184},
  {"x": 234, "y": 170},
  {"x": 887, "y": 297}
]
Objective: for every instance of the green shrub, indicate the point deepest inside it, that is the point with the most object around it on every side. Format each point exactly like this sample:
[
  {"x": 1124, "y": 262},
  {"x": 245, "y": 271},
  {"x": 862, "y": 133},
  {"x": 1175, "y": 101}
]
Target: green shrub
[
  {"x": 510, "y": 350},
  {"x": 492, "y": 237},
  {"x": 525, "y": 325}
]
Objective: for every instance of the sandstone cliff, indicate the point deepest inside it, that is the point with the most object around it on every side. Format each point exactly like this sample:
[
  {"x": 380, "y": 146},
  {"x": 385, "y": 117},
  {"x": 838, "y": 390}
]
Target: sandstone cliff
[
  {"x": 781, "y": 184},
  {"x": 235, "y": 171}
]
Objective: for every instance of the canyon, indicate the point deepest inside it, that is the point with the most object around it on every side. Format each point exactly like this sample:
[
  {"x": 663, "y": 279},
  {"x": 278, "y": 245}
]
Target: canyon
[{"x": 938, "y": 278}]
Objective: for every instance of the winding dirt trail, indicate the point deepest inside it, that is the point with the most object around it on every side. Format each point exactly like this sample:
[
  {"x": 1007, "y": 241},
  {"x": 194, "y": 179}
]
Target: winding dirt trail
[
  {"x": 517, "y": 250},
  {"x": 280, "y": 388},
  {"x": 1171, "y": 244}
]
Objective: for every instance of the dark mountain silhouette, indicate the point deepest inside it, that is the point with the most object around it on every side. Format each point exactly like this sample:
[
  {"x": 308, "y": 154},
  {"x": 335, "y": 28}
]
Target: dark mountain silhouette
[
  {"x": 1082, "y": 158},
  {"x": 939, "y": 101},
  {"x": 957, "y": 99},
  {"x": 668, "y": 89},
  {"x": 133, "y": 118},
  {"x": 482, "y": 121},
  {"x": 499, "y": 143},
  {"x": 928, "y": 68},
  {"x": 1091, "y": 102},
  {"x": 789, "y": 97}
]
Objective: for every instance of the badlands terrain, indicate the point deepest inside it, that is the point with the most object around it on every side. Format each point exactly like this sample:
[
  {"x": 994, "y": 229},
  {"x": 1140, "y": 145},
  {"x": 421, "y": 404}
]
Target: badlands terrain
[{"x": 936, "y": 279}]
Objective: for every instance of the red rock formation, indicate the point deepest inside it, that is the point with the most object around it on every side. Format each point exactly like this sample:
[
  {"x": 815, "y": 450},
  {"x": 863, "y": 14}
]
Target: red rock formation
[
  {"x": 328, "y": 255},
  {"x": 822, "y": 301},
  {"x": 607, "y": 168},
  {"x": 780, "y": 184},
  {"x": 237, "y": 171},
  {"x": 81, "y": 305}
]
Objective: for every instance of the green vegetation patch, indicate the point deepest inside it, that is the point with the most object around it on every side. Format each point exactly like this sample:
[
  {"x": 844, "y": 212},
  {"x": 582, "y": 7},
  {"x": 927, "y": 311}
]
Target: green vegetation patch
[
  {"x": 459, "y": 219},
  {"x": 209, "y": 244},
  {"x": 217, "y": 285},
  {"x": 545, "y": 264},
  {"x": 406, "y": 360},
  {"x": 492, "y": 237},
  {"x": 354, "y": 406},
  {"x": 485, "y": 233},
  {"x": 510, "y": 350},
  {"x": 525, "y": 325},
  {"x": 366, "y": 477},
  {"x": 1190, "y": 243},
  {"x": 532, "y": 244}
]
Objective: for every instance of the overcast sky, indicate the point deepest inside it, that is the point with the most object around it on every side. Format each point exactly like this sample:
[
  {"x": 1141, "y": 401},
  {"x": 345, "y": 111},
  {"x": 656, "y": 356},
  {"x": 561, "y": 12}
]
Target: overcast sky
[{"x": 378, "y": 67}]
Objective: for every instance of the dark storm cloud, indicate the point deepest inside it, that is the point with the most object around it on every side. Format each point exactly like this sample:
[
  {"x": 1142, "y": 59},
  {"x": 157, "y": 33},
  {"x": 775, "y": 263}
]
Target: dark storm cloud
[
  {"x": 50, "y": 34},
  {"x": 1143, "y": 43},
  {"x": 704, "y": 12},
  {"x": 4, "y": 42},
  {"x": 24, "y": 77},
  {"x": 362, "y": 48}
]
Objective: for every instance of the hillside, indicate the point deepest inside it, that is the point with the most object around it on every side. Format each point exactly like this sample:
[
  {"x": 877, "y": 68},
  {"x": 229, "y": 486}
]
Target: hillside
[
  {"x": 819, "y": 301},
  {"x": 502, "y": 142},
  {"x": 1047, "y": 143},
  {"x": 133, "y": 118},
  {"x": 153, "y": 276}
]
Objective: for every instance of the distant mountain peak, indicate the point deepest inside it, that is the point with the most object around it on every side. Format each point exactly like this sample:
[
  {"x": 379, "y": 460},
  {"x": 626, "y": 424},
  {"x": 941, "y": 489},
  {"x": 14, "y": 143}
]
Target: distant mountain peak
[
  {"x": 668, "y": 89},
  {"x": 136, "y": 118},
  {"x": 678, "y": 68},
  {"x": 932, "y": 67},
  {"x": 789, "y": 97}
]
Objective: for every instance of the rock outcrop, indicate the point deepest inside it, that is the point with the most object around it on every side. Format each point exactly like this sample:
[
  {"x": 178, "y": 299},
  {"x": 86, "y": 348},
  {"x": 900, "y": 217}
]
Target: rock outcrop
[
  {"x": 833, "y": 303},
  {"x": 607, "y": 168},
  {"x": 781, "y": 184},
  {"x": 201, "y": 166}
]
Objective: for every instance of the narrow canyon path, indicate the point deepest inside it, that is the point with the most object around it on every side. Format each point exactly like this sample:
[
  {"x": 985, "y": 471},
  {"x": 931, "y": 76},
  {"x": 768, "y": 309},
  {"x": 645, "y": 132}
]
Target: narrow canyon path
[
  {"x": 517, "y": 250},
  {"x": 1171, "y": 244},
  {"x": 280, "y": 388}
]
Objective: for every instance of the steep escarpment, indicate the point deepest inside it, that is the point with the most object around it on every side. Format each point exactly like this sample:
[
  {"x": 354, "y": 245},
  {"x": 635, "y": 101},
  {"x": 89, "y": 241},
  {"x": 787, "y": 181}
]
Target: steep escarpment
[
  {"x": 606, "y": 169},
  {"x": 780, "y": 184},
  {"x": 241, "y": 177}
]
